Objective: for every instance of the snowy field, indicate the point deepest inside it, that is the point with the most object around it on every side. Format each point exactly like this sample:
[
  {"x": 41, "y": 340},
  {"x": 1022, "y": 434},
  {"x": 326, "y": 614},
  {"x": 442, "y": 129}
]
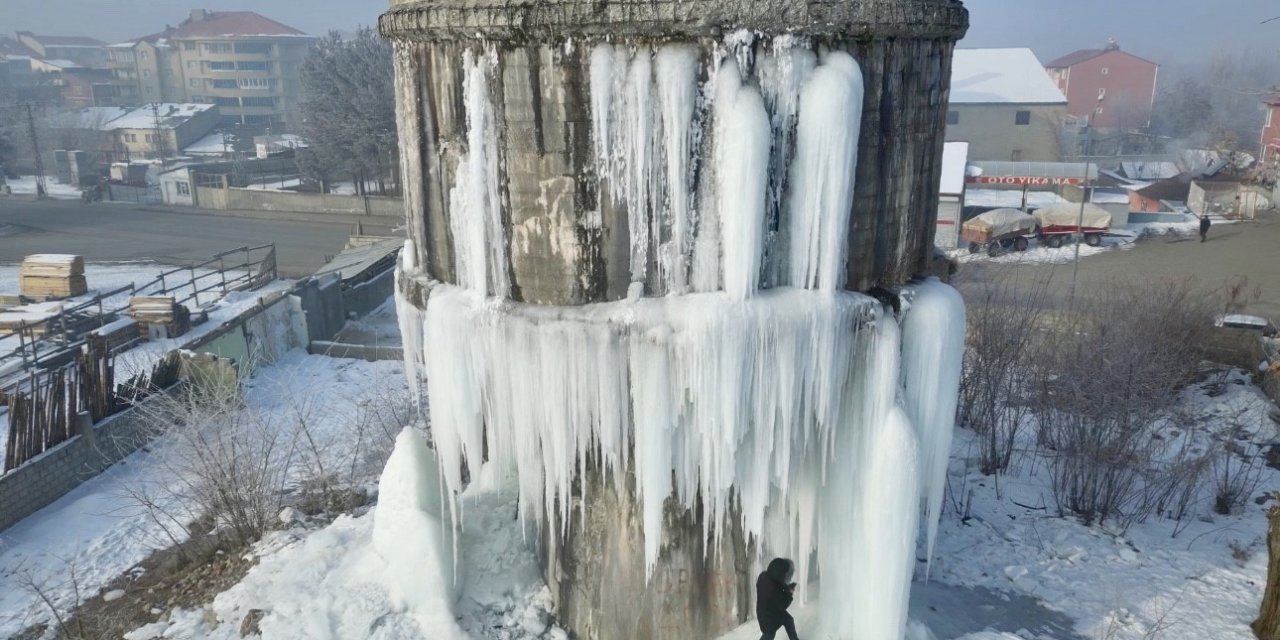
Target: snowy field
[
  {"x": 26, "y": 186},
  {"x": 98, "y": 532}
]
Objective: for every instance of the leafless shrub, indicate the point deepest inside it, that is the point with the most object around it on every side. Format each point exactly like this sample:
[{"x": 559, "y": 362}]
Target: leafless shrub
[
  {"x": 1236, "y": 476},
  {"x": 1005, "y": 320},
  {"x": 1106, "y": 380}
]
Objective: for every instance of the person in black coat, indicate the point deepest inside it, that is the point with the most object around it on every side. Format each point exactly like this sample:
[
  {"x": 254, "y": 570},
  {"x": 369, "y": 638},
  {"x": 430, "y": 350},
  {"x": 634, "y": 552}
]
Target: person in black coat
[
  {"x": 774, "y": 592},
  {"x": 1204, "y": 227}
]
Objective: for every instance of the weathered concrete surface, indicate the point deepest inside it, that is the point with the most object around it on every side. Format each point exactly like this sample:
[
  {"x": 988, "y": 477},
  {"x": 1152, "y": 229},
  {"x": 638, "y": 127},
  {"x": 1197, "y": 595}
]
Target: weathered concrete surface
[{"x": 599, "y": 581}]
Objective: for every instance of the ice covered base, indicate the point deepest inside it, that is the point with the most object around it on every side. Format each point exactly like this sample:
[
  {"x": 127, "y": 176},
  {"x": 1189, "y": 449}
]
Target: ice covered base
[{"x": 793, "y": 422}]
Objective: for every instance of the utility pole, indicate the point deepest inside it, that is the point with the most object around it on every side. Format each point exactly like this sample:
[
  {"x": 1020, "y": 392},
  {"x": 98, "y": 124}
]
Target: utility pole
[
  {"x": 159, "y": 135},
  {"x": 1084, "y": 198},
  {"x": 41, "y": 189}
]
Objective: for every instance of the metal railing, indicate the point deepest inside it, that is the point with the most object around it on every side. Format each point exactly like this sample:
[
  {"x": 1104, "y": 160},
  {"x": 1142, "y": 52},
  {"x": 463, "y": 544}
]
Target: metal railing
[{"x": 52, "y": 341}]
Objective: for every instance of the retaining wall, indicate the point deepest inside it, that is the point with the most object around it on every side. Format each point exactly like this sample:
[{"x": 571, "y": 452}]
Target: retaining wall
[
  {"x": 236, "y": 199},
  {"x": 53, "y": 474}
]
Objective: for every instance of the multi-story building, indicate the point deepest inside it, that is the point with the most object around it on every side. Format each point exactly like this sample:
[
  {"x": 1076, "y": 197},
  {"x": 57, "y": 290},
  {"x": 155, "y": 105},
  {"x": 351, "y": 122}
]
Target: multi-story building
[
  {"x": 245, "y": 63},
  {"x": 85, "y": 52},
  {"x": 1005, "y": 106},
  {"x": 1108, "y": 88},
  {"x": 121, "y": 134}
]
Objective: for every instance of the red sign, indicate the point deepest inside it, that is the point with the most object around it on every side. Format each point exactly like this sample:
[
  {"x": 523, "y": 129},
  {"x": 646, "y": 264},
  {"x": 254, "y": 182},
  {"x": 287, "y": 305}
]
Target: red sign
[{"x": 1024, "y": 181}]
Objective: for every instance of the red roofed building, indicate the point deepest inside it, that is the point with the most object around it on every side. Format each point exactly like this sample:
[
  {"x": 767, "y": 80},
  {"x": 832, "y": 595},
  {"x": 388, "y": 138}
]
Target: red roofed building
[
  {"x": 244, "y": 62},
  {"x": 1110, "y": 88},
  {"x": 1271, "y": 130}
]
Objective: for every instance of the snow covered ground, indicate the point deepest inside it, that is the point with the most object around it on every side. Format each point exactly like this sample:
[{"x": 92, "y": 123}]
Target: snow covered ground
[
  {"x": 26, "y": 186},
  {"x": 1011, "y": 571},
  {"x": 98, "y": 532},
  {"x": 1150, "y": 581}
]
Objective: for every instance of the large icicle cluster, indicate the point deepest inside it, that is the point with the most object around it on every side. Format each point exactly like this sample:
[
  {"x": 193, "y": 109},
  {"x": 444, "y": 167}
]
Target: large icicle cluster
[{"x": 750, "y": 385}]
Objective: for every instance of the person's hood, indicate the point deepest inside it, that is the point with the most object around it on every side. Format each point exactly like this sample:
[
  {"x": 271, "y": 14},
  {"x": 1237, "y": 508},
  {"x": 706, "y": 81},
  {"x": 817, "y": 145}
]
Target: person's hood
[{"x": 780, "y": 570}]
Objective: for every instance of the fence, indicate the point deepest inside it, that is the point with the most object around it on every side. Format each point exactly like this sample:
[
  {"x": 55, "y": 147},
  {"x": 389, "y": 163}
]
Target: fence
[
  {"x": 45, "y": 408},
  {"x": 140, "y": 195},
  {"x": 220, "y": 198},
  {"x": 51, "y": 341}
]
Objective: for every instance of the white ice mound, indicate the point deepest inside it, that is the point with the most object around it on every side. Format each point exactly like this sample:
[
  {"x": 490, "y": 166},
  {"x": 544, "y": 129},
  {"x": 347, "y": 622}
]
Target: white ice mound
[{"x": 411, "y": 532}]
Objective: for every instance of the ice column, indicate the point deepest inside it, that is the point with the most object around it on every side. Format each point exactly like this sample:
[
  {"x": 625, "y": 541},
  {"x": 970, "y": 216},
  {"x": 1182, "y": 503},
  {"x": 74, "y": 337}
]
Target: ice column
[
  {"x": 475, "y": 202},
  {"x": 742, "y": 138},
  {"x": 932, "y": 350},
  {"x": 823, "y": 173}
]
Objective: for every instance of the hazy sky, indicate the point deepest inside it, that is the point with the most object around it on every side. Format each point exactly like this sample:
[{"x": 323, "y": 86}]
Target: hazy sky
[{"x": 1163, "y": 30}]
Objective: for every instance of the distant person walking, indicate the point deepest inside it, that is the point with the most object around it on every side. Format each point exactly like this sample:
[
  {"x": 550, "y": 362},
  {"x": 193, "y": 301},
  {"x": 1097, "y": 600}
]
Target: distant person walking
[
  {"x": 774, "y": 592},
  {"x": 1204, "y": 227}
]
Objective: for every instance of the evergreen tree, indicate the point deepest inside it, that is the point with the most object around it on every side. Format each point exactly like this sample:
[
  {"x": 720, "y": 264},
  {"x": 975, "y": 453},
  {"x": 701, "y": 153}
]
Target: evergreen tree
[{"x": 348, "y": 112}]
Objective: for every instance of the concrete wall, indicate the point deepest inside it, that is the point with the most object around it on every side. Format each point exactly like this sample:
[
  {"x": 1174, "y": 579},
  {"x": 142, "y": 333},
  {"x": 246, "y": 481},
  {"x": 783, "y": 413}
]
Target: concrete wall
[
  {"x": 236, "y": 199},
  {"x": 993, "y": 133},
  {"x": 363, "y": 298},
  {"x": 51, "y": 475}
]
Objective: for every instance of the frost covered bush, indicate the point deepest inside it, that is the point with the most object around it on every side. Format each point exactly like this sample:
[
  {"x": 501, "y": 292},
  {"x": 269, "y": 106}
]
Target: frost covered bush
[{"x": 1106, "y": 382}]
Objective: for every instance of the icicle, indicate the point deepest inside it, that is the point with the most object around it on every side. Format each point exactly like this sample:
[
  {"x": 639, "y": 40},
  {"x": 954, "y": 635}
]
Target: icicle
[
  {"x": 677, "y": 69},
  {"x": 933, "y": 333},
  {"x": 823, "y": 173},
  {"x": 475, "y": 213},
  {"x": 742, "y": 166}
]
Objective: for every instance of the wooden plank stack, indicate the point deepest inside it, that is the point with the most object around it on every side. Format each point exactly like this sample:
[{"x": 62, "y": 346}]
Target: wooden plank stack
[
  {"x": 160, "y": 316},
  {"x": 52, "y": 275}
]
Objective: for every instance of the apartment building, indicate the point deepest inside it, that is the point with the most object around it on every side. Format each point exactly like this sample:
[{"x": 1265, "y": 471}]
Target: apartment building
[{"x": 245, "y": 63}]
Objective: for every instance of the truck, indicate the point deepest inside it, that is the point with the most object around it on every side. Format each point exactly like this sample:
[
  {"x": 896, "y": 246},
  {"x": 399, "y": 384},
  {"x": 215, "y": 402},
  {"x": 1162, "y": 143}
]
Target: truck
[
  {"x": 999, "y": 230},
  {"x": 1059, "y": 223}
]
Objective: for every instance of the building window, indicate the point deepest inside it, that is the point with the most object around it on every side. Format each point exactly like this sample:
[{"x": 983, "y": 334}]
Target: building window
[
  {"x": 255, "y": 83},
  {"x": 253, "y": 66},
  {"x": 262, "y": 48},
  {"x": 1016, "y": 156},
  {"x": 148, "y": 138},
  {"x": 258, "y": 102},
  {"x": 142, "y": 54},
  {"x": 184, "y": 188},
  {"x": 1105, "y": 71},
  {"x": 953, "y": 117},
  {"x": 220, "y": 66},
  {"x": 217, "y": 47},
  {"x": 133, "y": 137},
  {"x": 1022, "y": 118},
  {"x": 146, "y": 73},
  {"x": 195, "y": 82},
  {"x": 149, "y": 91},
  {"x": 189, "y": 46},
  {"x": 223, "y": 84},
  {"x": 227, "y": 102}
]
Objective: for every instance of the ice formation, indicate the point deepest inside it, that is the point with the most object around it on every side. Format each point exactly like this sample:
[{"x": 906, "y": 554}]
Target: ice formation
[
  {"x": 739, "y": 377},
  {"x": 411, "y": 535}
]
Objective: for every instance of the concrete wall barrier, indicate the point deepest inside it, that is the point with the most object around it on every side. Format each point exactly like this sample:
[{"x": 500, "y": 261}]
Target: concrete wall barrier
[
  {"x": 237, "y": 199},
  {"x": 52, "y": 474}
]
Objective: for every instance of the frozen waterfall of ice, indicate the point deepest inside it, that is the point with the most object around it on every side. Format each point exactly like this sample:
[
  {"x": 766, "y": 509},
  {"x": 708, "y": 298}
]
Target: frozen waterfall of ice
[{"x": 747, "y": 383}]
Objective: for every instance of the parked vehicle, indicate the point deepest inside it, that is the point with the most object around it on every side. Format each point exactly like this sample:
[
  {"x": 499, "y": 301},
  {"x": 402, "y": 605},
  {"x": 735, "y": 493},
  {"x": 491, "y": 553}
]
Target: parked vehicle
[
  {"x": 999, "y": 230},
  {"x": 1059, "y": 223}
]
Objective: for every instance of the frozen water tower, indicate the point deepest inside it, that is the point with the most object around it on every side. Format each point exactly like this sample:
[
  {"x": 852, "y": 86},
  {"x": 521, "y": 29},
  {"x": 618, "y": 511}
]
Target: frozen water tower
[{"x": 641, "y": 233}]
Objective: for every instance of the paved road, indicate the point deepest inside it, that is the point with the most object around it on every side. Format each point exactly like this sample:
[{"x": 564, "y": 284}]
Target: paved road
[
  {"x": 116, "y": 231},
  {"x": 1250, "y": 249}
]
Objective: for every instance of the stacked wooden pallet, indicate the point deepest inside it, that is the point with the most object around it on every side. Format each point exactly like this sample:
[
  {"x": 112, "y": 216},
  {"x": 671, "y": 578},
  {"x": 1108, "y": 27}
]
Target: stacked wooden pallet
[
  {"x": 160, "y": 316},
  {"x": 53, "y": 275}
]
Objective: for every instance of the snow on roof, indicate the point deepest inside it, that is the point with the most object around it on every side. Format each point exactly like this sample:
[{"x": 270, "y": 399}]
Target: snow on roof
[
  {"x": 170, "y": 115},
  {"x": 91, "y": 118},
  {"x": 1009, "y": 198},
  {"x": 955, "y": 156},
  {"x": 216, "y": 143},
  {"x": 1002, "y": 76},
  {"x": 1149, "y": 170},
  {"x": 1109, "y": 196}
]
